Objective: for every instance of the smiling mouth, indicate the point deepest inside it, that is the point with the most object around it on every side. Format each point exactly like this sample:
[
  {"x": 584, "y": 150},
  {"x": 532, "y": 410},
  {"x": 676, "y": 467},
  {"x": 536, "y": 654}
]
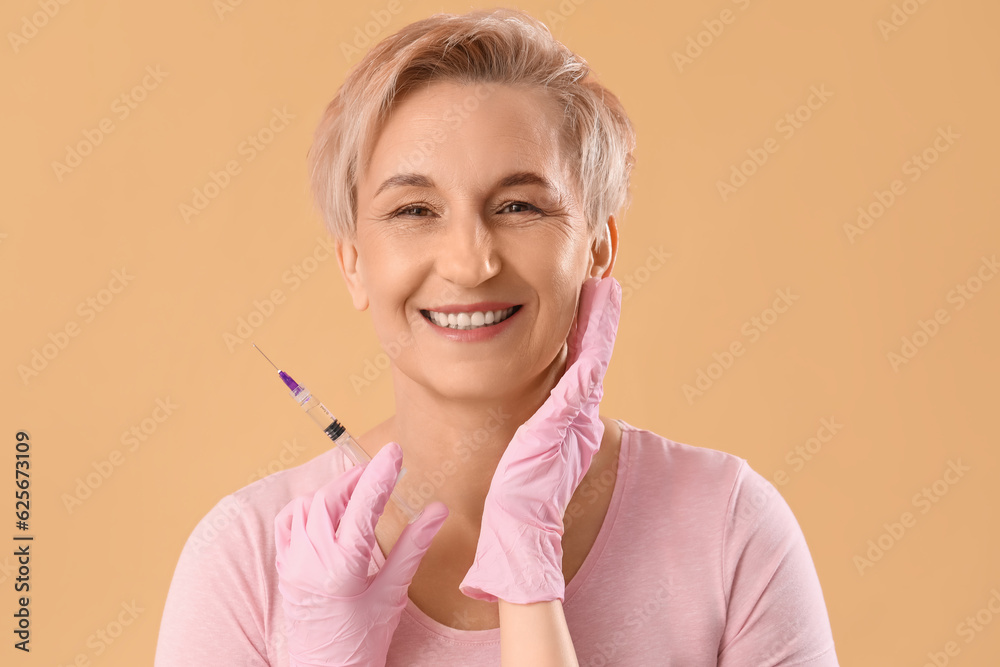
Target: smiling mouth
[{"x": 467, "y": 321}]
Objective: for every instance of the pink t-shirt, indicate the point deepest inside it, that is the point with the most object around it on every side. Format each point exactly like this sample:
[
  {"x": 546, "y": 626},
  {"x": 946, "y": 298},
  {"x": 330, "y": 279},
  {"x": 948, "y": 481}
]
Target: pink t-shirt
[{"x": 699, "y": 562}]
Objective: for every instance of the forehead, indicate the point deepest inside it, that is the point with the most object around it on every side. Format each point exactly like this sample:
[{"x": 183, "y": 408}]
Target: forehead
[{"x": 475, "y": 132}]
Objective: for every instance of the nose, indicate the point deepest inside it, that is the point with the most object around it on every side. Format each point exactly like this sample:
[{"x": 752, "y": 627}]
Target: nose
[{"x": 467, "y": 255}]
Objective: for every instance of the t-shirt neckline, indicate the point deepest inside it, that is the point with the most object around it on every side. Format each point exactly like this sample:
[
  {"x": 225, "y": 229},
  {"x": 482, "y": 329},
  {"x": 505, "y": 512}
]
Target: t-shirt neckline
[{"x": 492, "y": 635}]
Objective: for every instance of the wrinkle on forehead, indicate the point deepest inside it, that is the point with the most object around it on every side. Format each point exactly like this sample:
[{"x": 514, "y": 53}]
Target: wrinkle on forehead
[{"x": 546, "y": 139}]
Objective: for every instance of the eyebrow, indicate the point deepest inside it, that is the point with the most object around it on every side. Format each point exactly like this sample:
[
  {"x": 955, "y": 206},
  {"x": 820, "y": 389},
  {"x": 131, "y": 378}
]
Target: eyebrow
[{"x": 512, "y": 180}]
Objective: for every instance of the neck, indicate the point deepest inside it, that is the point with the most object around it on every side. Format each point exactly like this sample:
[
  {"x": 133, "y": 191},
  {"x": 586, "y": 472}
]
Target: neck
[{"x": 453, "y": 445}]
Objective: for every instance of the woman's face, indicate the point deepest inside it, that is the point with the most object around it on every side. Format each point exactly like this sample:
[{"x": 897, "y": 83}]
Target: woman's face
[{"x": 468, "y": 207}]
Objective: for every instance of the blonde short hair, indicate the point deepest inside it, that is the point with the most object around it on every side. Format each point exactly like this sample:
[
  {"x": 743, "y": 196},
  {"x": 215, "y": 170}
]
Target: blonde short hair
[{"x": 501, "y": 46}]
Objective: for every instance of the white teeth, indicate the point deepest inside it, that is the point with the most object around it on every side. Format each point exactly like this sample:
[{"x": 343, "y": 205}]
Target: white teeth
[{"x": 465, "y": 321}]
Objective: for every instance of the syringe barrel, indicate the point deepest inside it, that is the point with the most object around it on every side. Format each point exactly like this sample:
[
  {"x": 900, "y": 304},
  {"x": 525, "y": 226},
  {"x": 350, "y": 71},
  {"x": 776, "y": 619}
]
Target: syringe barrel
[
  {"x": 338, "y": 433},
  {"x": 353, "y": 451},
  {"x": 319, "y": 414}
]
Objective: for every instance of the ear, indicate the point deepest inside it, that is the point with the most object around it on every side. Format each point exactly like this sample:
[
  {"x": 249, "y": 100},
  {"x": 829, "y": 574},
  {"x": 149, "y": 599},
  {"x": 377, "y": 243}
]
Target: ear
[
  {"x": 350, "y": 268},
  {"x": 604, "y": 250}
]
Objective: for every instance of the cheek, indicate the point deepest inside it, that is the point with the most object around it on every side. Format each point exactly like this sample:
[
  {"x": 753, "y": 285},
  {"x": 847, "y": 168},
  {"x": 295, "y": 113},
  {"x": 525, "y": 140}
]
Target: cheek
[
  {"x": 557, "y": 267},
  {"x": 560, "y": 305},
  {"x": 559, "y": 253},
  {"x": 383, "y": 280},
  {"x": 386, "y": 267}
]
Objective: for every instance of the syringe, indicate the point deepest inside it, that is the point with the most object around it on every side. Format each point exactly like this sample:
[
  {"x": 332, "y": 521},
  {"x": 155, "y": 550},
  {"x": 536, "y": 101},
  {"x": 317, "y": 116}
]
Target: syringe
[{"x": 336, "y": 431}]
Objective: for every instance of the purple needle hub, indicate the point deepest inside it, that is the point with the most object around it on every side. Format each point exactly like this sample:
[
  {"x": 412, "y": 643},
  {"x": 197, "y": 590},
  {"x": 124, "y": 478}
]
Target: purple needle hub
[{"x": 289, "y": 382}]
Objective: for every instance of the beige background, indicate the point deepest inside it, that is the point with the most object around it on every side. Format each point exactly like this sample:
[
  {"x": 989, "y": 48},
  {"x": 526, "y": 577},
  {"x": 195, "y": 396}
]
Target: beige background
[{"x": 162, "y": 335}]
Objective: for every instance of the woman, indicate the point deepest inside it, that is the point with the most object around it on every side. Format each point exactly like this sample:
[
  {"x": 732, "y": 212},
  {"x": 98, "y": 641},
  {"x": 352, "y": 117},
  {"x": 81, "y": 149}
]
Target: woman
[{"x": 470, "y": 170}]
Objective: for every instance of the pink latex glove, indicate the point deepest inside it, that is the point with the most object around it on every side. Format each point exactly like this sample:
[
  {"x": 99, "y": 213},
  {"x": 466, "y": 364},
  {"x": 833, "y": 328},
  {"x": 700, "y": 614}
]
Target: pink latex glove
[
  {"x": 519, "y": 554},
  {"x": 335, "y": 614}
]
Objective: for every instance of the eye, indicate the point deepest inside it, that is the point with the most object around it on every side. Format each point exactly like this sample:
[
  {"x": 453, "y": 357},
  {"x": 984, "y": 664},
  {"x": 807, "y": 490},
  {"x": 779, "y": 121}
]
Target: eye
[
  {"x": 408, "y": 209},
  {"x": 529, "y": 207}
]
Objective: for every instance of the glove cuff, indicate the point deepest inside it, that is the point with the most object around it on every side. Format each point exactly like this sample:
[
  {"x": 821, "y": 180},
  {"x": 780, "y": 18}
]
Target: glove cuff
[{"x": 516, "y": 563}]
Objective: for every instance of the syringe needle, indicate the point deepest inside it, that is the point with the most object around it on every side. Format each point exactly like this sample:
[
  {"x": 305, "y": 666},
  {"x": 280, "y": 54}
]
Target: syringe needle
[{"x": 265, "y": 356}]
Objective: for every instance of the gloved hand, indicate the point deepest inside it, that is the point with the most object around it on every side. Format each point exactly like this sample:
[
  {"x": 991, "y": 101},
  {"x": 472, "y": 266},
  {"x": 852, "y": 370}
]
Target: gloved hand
[
  {"x": 519, "y": 554},
  {"x": 335, "y": 613}
]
